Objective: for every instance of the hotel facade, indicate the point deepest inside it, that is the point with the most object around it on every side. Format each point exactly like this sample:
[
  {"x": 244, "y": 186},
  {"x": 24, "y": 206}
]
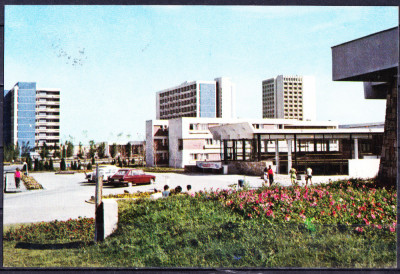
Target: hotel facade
[
  {"x": 289, "y": 97},
  {"x": 203, "y": 99},
  {"x": 31, "y": 116}
]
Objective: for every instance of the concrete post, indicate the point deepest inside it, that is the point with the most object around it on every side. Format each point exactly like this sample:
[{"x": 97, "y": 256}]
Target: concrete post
[
  {"x": 277, "y": 155},
  {"x": 99, "y": 212},
  {"x": 355, "y": 148},
  {"x": 289, "y": 155}
]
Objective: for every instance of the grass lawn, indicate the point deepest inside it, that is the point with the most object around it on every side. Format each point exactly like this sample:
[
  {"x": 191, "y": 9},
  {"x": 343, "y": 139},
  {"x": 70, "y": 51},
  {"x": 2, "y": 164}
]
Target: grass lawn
[{"x": 204, "y": 231}]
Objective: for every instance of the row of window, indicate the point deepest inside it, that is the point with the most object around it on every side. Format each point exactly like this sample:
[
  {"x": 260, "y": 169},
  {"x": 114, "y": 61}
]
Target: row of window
[
  {"x": 177, "y": 97},
  {"x": 179, "y": 110},
  {"x": 178, "y": 104},
  {"x": 178, "y": 90}
]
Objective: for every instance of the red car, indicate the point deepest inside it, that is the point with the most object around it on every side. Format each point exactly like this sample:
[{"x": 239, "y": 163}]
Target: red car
[{"x": 134, "y": 176}]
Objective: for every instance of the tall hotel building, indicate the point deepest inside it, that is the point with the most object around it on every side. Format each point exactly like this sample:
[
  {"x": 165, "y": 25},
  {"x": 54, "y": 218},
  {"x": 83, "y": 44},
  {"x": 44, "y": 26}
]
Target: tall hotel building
[
  {"x": 289, "y": 97},
  {"x": 204, "y": 99},
  {"x": 31, "y": 116}
]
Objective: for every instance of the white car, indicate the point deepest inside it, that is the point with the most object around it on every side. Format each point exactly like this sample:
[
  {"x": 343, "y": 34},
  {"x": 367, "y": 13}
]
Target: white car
[{"x": 105, "y": 172}]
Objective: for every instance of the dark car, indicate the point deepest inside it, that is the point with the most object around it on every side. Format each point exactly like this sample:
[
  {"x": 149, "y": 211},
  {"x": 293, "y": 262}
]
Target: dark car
[{"x": 134, "y": 176}]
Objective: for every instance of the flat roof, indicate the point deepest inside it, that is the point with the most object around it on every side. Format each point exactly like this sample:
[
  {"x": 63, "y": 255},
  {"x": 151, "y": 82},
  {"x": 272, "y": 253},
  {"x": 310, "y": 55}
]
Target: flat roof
[
  {"x": 246, "y": 131},
  {"x": 372, "y": 58}
]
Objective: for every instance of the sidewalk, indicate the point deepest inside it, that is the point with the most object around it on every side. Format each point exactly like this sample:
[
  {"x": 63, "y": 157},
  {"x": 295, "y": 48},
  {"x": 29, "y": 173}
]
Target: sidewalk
[{"x": 10, "y": 184}]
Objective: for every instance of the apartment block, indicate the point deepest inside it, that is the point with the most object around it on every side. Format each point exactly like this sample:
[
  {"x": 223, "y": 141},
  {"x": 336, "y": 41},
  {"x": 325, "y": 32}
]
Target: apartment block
[
  {"x": 205, "y": 99},
  {"x": 289, "y": 97},
  {"x": 31, "y": 116}
]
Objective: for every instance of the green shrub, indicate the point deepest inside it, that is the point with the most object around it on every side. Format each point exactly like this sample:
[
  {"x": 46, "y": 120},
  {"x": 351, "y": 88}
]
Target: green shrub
[{"x": 63, "y": 166}]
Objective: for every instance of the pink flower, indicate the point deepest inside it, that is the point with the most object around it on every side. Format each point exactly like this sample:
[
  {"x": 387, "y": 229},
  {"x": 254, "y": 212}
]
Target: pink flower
[
  {"x": 373, "y": 215},
  {"x": 287, "y": 218},
  {"x": 366, "y": 221},
  {"x": 359, "y": 215},
  {"x": 392, "y": 229},
  {"x": 359, "y": 229}
]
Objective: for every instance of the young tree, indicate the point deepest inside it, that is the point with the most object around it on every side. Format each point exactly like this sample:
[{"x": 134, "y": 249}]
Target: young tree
[
  {"x": 101, "y": 150},
  {"x": 36, "y": 168},
  {"x": 128, "y": 150},
  {"x": 89, "y": 166},
  {"x": 51, "y": 165},
  {"x": 70, "y": 149},
  {"x": 16, "y": 152},
  {"x": 80, "y": 151},
  {"x": 93, "y": 161},
  {"x": 113, "y": 150},
  {"x": 92, "y": 149},
  {"x": 57, "y": 151},
  {"x": 44, "y": 152},
  {"x": 63, "y": 166},
  {"x": 25, "y": 149}
]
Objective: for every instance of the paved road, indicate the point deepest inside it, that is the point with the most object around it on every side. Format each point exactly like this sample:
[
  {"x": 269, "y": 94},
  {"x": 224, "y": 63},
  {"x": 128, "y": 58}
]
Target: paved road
[{"x": 64, "y": 196}]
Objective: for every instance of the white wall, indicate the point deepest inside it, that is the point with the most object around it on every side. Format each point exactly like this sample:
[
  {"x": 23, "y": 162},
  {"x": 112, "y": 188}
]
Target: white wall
[
  {"x": 149, "y": 143},
  {"x": 309, "y": 101},
  {"x": 363, "y": 168}
]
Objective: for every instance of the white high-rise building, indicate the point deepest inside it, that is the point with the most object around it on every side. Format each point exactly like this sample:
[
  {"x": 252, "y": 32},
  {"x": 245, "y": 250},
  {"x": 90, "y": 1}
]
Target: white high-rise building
[
  {"x": 289, "y": 97},
  {"x": 203, "y": 99}
]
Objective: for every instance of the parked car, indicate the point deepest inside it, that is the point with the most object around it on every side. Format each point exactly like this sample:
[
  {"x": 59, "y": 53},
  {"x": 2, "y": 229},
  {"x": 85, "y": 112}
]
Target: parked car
[
  {"x": 134, "y": 176},
  {"x": 105, "y": 171}
]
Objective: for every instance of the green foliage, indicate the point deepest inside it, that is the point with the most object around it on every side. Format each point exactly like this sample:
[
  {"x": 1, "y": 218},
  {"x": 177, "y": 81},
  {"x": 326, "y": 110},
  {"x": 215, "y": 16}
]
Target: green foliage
[
  {"x": 92, "y": 149},
  {"x": 128, "y": 150},
  {"x": 63, "y": 165},
  {"x": 101, "y": 150},
  {"x": 29, "y": 163},
  {"x": 93, "y": 161},
  {"x": 37, "y": 168},
  {"x": 51, "y": 165},
  {"x": 80, "y": 151},
  {"x": 57, "y": 151},
  {"x": 10, "y": 152},
  {"x": 113, "y": 150},
  {"x": 44, "y": 152},
  {"x": 81, "y": 229},
  {"x": 181, "y": 231},
  {"x": 46, "y": 165},
  {"x": 89, "y": 166},
  {"x": 70, "y": 149}
]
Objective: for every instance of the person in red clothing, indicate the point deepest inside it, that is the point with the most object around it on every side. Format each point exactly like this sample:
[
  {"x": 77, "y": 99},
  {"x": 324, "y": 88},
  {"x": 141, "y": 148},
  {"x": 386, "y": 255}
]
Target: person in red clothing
[
  {"x": 17, "y": 177},
  {"x": 270, "y": 176}
]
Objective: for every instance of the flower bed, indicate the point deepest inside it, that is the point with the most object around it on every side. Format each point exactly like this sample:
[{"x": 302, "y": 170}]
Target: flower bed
[
  {"x": 136, "y": 195},
  {"x": 30, "y": 182},
  {"x": 351, "y": 203},
  {"x": 73, "y": 229}
]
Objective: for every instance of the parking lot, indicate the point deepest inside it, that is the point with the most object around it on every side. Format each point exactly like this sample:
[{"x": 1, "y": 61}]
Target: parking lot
[{"x": 64, "y": 196}]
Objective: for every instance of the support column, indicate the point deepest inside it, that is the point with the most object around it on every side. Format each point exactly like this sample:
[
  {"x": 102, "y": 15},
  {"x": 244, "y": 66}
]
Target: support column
[
  {"x": 225, "y": 142},
  {"x": 277, "y": 155},
  {"x": 355, "y": 148},
  {"x": 289, "y": 155},
  {"x": 244, "y": 149},
  {"x": 259, "y": 147}
]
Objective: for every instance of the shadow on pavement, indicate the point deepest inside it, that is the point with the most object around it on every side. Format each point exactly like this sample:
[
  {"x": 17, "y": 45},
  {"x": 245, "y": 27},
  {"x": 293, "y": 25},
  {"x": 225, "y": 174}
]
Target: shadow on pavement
[{"x": 36, "y": 246}]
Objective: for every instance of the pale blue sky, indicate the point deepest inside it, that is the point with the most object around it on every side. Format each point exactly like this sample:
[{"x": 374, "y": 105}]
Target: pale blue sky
[{"x": 125, "y": 54}]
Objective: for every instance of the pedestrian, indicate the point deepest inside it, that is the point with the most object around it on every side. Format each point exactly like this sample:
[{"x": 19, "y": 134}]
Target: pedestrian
[
  {"x": 166, "y": 192},
  {"x": 189, "y": 191},
  {"x": 270, "y": 175},
  {"x": 265, "y": 178},
  {"x": 293, "y": 175},
  {"x": 17, "y": 177},
  {"x": 309, "y": 176}
]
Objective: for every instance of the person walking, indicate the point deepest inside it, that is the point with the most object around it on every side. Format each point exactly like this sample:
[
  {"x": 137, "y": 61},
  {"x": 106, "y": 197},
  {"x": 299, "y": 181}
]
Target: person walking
[
  {"x": 270, "y": 176},
  {"x": 17, "y": 177},
  {"x": 293, "y": 175},
  {"x": 309, "y": 176}
]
